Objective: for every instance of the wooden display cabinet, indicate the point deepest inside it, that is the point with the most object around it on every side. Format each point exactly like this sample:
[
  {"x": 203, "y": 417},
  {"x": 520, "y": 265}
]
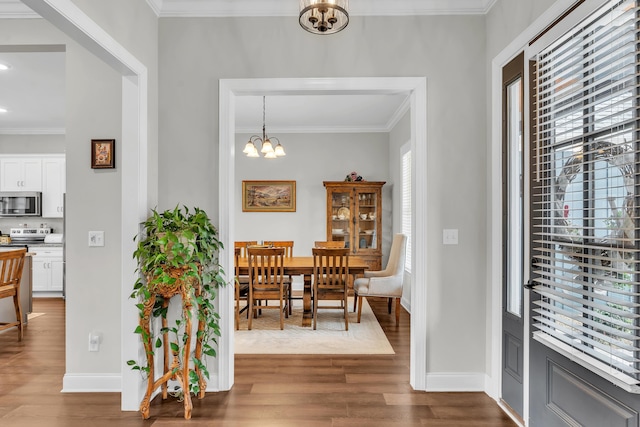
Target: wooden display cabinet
[{"x": 354, "y": 215}]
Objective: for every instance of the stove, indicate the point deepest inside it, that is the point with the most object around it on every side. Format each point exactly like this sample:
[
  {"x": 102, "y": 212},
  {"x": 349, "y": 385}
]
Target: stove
[{"x": 29, "y": 234}]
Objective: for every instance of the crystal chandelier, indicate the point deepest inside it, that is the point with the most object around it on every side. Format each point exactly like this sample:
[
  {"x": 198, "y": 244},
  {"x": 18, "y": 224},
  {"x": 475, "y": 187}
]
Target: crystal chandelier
[
  {"x": 268, "y": 150},
  {"x": 324, "y": 16}
]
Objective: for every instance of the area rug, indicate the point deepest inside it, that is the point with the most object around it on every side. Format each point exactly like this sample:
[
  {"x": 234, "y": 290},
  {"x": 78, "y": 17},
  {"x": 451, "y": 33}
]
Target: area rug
[{"x": 266, "y": 337}]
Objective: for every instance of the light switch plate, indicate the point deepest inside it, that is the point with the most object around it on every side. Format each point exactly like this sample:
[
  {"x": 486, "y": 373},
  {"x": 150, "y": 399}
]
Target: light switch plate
[
  {"x": 450, "y": 236},
  {"x": 96, "y": 238}
]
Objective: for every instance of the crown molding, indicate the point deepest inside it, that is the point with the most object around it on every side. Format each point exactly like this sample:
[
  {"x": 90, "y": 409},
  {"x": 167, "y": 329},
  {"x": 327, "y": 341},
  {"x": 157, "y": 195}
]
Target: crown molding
[
  {"x": 264, "y": 8},
  {"x": 16, "y": 9}
]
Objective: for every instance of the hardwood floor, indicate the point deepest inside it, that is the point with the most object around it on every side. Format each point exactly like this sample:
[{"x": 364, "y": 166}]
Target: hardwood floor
[{"x": 282, "y": 391}]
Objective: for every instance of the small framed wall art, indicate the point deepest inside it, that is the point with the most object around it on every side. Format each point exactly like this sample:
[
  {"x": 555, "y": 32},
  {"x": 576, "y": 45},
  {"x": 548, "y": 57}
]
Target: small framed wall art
[
  {"x": 268, "y": 196},
  {"x": 103, "y": 155}
]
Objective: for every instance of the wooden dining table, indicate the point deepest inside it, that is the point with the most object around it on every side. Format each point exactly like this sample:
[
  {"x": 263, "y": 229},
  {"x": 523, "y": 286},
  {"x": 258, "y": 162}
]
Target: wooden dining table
[{"x": 303, "y": 266}]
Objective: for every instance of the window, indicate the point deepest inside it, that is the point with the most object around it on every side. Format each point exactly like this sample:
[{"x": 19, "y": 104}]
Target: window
[
  {"x": 406, "y": 201},
  {"x": 585, "y": 190}
]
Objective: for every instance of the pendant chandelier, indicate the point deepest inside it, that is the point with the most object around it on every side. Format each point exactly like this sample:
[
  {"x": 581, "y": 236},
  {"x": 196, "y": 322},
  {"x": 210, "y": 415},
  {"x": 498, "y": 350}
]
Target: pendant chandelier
[
  {"x": 268, "y": 150},
  {"x": 324, "y": 16}
]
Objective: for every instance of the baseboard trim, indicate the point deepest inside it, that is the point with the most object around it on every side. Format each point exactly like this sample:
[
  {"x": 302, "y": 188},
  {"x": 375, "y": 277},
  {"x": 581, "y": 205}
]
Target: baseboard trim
[
  {"x": 453, "y": 381},
  {"x": 92, "y": 383}
]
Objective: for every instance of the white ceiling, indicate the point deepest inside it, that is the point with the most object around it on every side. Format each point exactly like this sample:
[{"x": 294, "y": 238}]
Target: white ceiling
[{"x": 33, "y": 88}]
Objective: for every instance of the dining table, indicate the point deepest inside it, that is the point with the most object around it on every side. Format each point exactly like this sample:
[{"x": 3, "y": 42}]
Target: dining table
[{"x": 303, "y": 266}]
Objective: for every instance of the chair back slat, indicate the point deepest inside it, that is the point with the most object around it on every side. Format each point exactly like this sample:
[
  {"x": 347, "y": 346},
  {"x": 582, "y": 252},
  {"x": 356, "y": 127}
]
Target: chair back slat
[
  {"x": 243, "y": 245},
  {"x": 266, "y": 268},
  {"x": 12, "y": 264},
  {"x": 286, "y": 244},
  {"x": 329, "y": 244},
  {"x": 331, "y": 267}
]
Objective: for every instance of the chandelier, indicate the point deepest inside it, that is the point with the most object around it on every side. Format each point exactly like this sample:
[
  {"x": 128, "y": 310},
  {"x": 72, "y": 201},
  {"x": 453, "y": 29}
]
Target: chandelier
[
  {"x": 324, "y": 16},
  {"x": 268, "y": 150}
]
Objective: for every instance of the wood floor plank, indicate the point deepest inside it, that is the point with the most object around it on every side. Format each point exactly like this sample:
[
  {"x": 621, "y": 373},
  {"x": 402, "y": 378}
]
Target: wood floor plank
[{"x": 278, "y": 390}]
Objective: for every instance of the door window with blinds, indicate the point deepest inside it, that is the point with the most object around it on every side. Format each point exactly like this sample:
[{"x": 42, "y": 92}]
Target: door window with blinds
[{"x": 585, "y": 189}]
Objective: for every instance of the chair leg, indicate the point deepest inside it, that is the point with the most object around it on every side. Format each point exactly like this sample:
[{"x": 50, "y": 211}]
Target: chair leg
[
  {"x": 355, "y": 301},
  {"x": 250, "y": 312},
  {"x": 359, "y": 308},
  {"x": 397, "y": 311},
  {"x": 389, "y": 304},
  {"x": 346, "y": 312},
  {"x": 16, "y": 303},
  {"x": 315, "y": 306}
]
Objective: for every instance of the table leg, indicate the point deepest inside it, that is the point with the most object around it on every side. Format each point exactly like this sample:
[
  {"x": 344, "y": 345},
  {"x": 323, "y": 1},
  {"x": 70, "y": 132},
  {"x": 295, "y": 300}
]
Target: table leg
[{"x": 307, "y": 313}]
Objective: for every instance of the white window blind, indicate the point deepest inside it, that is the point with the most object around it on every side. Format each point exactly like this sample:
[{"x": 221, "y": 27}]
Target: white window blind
[
  {"x": 585, "y": 189},
  {"x": 406, "y": 203}
]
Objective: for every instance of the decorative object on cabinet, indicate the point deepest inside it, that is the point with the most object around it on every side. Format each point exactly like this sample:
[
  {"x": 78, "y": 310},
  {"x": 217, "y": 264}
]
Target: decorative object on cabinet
[
  {"x": 354, "y": 216},
  {"x": 177, "y": 254},
  {"x": 324, "y": 16},
  {"x": 353, "y": 176},
  {"x": 269, "y": 151},
  {"x": 268, "y": 196},
  {"x": 103, "y": 153}
]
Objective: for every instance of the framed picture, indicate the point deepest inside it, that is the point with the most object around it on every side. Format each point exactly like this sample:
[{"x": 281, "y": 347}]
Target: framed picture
[
  {"x": 268, "y": 196},
  {"x": 103, "y": 153}
]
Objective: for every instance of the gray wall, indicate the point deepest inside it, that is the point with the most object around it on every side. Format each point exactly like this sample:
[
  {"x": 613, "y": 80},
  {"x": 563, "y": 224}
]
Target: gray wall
[
  {"x": 196, "y": 53},
  {"x": 93, "y": 110}
]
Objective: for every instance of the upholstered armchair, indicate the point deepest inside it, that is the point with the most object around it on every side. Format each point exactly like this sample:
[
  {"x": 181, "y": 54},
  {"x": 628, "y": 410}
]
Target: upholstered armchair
[{"x": 386, "y": 283}]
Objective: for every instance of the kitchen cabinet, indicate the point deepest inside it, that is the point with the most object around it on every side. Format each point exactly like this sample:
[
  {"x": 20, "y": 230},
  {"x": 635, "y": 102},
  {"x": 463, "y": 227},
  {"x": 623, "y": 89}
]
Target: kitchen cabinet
[
  {"x": 53, "y": 186},
  {"x": 46, "y": 268},
  {"x": 20, "y": 173},
  {"x": 354, "y": 215}
]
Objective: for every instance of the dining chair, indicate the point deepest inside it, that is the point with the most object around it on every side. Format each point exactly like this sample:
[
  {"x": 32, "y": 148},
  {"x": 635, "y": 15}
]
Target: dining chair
[
  {"x": 288, "y": 253},
  {"x": 330, "y": 280},
  {"x": 266, "y": 282},
  {"x": 329, "y": 244},
  {"x": 242, "y": 282},
  {"x": 11, "y": 266},
  {"x": 385, "y": 283}
]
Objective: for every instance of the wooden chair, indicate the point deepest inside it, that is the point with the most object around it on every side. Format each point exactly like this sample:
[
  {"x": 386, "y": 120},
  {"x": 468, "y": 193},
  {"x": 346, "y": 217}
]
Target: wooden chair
[
  {"x": 241, "y": 282},
  {"x": 267, "y": 282},
  {"x": 11, "y": 266},
  {"x": 386, "y": 283},
  {"x": 330, "y": 280},
  {"x": 288, "y": 253},
  {"x": 329, "y": 244}
]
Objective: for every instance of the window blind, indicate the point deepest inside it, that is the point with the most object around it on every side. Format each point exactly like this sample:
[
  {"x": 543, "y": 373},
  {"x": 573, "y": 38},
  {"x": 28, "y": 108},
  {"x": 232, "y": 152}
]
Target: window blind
[
  {"x": 406, "y": 205},
  {"x": 585, "y": 189}
]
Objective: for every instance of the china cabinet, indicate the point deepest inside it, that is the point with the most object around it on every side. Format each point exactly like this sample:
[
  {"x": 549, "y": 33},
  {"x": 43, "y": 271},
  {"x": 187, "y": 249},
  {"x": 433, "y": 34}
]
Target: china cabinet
[{"x": 354, "y": 215}]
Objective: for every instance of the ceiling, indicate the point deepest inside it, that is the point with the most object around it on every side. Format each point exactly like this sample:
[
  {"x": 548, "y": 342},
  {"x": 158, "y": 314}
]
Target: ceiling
[{"x": 33, "y": 88}]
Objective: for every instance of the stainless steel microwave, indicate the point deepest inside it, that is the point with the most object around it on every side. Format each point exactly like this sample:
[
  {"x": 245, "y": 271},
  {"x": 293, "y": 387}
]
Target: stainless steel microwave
[{"x": 21, "y": 204}]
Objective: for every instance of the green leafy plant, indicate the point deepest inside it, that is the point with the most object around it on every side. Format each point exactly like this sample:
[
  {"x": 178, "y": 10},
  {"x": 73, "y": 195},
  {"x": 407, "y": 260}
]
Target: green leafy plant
[{"x": 178, "y": 250}]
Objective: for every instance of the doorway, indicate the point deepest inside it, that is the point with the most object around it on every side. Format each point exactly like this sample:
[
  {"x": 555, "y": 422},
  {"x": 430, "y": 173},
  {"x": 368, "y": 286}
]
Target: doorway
[{"x": 415, "y": 88}]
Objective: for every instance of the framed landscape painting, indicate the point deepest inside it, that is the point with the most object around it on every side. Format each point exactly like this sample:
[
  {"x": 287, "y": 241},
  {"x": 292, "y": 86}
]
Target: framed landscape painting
[{"x": 268, "y": 196}]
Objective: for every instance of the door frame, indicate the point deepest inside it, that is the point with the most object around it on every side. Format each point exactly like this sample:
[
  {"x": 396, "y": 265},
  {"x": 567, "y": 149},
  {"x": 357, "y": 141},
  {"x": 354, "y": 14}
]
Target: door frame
[
  {"x": 416, "y": 89},
  {"x": 494, "y": 164}
]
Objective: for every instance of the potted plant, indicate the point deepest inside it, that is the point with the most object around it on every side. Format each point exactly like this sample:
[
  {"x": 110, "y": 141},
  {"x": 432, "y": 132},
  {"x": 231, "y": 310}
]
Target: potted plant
[{"x": 177, "y": 253}]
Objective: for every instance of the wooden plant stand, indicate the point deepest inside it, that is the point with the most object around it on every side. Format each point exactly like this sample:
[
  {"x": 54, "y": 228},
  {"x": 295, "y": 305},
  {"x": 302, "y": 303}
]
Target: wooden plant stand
[{"x": 178, "y": 369}]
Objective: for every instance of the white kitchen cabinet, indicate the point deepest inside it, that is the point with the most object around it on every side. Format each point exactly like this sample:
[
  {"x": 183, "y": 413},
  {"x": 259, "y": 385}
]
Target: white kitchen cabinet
[
  {"x": 53, "y": 186},
  {"x": 20, "y": 173},
  {"x": 46, "y": 269}
]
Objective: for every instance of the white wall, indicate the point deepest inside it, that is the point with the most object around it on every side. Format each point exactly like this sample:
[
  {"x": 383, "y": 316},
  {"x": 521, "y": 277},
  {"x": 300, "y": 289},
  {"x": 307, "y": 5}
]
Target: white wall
[
  {"x": 310, "y": 160},
  {"x": 448, "y": 50}
]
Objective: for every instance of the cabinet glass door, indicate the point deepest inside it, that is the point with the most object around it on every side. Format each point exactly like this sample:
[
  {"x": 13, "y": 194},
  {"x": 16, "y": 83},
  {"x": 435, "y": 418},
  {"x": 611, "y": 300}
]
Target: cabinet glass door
[
  {"x": 340, "y": 216},
  {"x": 366, "y": 203}
]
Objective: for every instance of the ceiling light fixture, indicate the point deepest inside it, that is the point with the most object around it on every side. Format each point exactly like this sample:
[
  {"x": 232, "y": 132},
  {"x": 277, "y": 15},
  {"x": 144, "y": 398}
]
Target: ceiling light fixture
[
  {"x": 269, "y": 151},
  {"x": 4, "y": 67},
  {"x": 3, "y": 110},
  {"x": 324, "y": 16}
]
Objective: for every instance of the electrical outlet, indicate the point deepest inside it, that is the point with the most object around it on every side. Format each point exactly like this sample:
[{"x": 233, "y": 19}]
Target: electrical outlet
[
  {"x": 96, "y": 238},
  {"x": 450, "y": 236},
  {"x": 94, "y": 342}
]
